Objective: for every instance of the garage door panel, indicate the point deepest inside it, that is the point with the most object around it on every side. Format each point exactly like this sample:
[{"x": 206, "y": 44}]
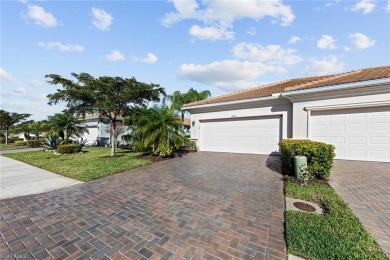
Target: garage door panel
[
  {"x": 379, "y": 140},
  {"x": 363, "y": 134},
  {"x": 358, "y": 127},
  {"x": 380, "y": 126},
  {"x": 249, "y": 135}
]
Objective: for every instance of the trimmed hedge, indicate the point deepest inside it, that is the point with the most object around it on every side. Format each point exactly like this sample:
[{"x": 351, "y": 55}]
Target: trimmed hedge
[
  {"x": 68, "y": 148},
  {"x": 20, "y": 143},
  {"x": 33, "y": 143},
  {"x": 319, "y": 157}
]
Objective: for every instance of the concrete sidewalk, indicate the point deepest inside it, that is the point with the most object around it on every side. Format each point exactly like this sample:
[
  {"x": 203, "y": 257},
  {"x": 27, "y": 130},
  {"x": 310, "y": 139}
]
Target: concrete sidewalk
[{"x": 19, "y": 179}]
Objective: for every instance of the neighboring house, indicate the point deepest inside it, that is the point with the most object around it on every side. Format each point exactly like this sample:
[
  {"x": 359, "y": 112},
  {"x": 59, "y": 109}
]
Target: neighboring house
[
  {"x": 99, "y": 131},
  {"x": 349, "y": 110},
  {"x": 187, "y": 126}
]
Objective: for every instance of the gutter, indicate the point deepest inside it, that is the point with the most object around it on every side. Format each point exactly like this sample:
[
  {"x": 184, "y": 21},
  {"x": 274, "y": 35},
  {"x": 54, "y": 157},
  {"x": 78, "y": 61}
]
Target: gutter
[
  {"x": 232, "y": 102},
  {"x": 336, "y": 87}
]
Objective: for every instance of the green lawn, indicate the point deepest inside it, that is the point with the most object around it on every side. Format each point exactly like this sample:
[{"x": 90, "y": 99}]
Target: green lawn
[
  {"x": 338, "y": 234},
  {"x": 92, "y": 164},
  {"x": 11, "y": 146}
]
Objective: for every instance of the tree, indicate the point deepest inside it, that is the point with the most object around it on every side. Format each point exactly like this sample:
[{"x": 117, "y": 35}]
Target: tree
[
  {"x": 179, "y": 99},
  {"x": 158, "y": 128},
  {"x": 110, "y": 97},
  {"x": 38, "y": 128},
  {"x": 67, "y": 125},
  {"x": 8, "y": 120},
  {"x": 119, "y": 129},
  {"x": 25, "y": 128}
]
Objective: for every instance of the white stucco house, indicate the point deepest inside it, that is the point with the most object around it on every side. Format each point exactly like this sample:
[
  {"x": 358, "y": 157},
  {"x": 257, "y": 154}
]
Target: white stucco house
[
  {"x": 100, "y": 136},
  {"x": 349, "y": 110},
  {"x": 99, "y": 130}
]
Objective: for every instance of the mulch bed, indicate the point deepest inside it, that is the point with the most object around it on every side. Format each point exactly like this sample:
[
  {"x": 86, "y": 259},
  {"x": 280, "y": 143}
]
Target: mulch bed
[{"x": 155, "y": 158}]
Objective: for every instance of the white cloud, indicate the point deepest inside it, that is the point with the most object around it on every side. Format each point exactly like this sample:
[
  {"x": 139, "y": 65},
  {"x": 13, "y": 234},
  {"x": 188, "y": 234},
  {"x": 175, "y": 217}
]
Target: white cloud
[
  {"x": 35, "y": 83},
  {"x": 211, "y": 33},
  {"x": 367, "y": 6},
  {"x": 327, "y": 65},
  {"x": 361, "y": 41},
  {"x": 150, "y": 58},
  {"x": 294, "y": 39},
  {"x": 387, "y": 8},
  {"x": 6, "y": 76},
  {"x": 228, "y": 74},
  {"x": 20, "y": 90},
  {"x": 219, "y": 16},
  {"x": 346, "y": 48},
  {"x": 326, "y": 42},
  {"x": 115, "y": 56},
  {"x": 272, "y": 54},
  {"x": 40, "y": 16},
  {"x": 102, "y": 20},
  {"x": 61, "y": 47}
]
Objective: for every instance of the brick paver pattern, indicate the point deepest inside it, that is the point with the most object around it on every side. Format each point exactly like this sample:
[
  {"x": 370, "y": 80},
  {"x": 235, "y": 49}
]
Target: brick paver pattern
[
  {"x": 202, "y": 205},
  {"x": 365, "y": 186}
]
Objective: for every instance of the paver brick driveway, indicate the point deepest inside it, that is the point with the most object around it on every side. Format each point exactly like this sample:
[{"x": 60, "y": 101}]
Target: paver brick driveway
[
  {"x": 203, "y": 205},
  {"x": 365, "y": 186}
]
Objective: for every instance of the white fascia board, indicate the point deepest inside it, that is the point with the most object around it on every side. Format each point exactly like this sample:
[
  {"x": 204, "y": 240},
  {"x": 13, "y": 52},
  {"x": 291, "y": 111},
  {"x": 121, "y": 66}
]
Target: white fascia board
[
  {"x": 232, "y": 102},
  {"x": 337, "y": 87}
]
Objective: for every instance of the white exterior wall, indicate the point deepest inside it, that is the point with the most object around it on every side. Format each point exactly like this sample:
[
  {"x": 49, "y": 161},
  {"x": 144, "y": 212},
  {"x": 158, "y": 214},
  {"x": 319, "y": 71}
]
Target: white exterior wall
[
  {"x": 284, "y": 110},
  {"x": 301, "y": 109}
]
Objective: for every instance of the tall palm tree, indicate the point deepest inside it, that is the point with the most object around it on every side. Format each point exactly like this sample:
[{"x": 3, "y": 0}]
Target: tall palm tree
[
  {"x": 158, "y": 128},
  {"x": 67, "y": 125},
  {"x": 179, "y": 99}
]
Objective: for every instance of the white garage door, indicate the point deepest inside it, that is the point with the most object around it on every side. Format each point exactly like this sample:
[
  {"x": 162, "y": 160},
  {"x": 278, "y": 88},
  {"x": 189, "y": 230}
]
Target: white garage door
[
  {"x": 259, "y": 135},
  {"x": 91, "y": 136},
  {"x": 357, "y": 134}
]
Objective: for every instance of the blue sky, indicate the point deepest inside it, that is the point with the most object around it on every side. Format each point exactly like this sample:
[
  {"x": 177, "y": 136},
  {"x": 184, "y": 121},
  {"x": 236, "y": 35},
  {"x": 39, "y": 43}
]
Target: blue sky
[{"x": 221, "y": 46}]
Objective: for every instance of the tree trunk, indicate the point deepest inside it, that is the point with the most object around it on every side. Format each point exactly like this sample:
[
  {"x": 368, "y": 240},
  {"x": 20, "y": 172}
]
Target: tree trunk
[
  {"x": 113, "y": 139},
  {"x": 6, "y": 137}
]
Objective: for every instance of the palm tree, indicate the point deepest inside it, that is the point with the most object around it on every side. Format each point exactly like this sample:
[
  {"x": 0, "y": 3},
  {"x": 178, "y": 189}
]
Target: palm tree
[
  {"x": 9, "y": 120},
  {"x": 179, "y": 99},
  {"x": 158, "y": 128},
  {"x": 67, "y": 125}
]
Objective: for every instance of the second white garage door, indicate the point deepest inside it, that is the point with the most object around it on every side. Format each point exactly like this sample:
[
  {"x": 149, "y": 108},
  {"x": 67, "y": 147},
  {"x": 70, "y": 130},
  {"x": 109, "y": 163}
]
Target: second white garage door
[
  {"x": 357, "y": 134},
  {"x": 257, "y": 135}
]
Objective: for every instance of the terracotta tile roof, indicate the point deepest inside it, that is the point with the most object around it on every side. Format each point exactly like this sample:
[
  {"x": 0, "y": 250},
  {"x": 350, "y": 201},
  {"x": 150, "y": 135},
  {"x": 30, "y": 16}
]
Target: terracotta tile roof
[{"x": 300, "y": 83}]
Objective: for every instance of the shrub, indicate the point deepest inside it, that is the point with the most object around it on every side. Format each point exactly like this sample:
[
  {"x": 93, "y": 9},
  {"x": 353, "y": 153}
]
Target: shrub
[
  {"x": 33, "y": 143},
  {"x": 319, "y": 156},
  {"x": 68, "y": 148},
  {"x": 163, "y": 150},
  {"x": 20, "y": 142},
  {"x": 10, "y": 140},
  {"x": 191, "y": 145},
  {"x": 50, "y": 143}
]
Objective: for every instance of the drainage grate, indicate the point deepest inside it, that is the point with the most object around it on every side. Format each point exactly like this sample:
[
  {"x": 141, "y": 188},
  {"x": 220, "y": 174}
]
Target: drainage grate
[{"x": 304, "y": 206}]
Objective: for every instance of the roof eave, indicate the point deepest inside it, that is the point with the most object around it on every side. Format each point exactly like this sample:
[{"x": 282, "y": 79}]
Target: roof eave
[
  {"x": 336, "y": 87},
  {"x": 269, "y": 98}
]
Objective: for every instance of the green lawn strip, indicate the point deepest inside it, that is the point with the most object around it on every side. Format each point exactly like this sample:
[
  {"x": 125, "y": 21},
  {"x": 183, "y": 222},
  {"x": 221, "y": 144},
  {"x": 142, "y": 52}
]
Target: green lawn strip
[
  {"x": 4, "y": 147},
  {"x": 336, "y": 235},
  {"x": 84, "y": 167}
]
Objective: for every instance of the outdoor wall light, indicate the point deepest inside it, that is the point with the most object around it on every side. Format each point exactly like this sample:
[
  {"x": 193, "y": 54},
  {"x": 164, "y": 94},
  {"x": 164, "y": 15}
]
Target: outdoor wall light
[{"x": 193, "y": 123}]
